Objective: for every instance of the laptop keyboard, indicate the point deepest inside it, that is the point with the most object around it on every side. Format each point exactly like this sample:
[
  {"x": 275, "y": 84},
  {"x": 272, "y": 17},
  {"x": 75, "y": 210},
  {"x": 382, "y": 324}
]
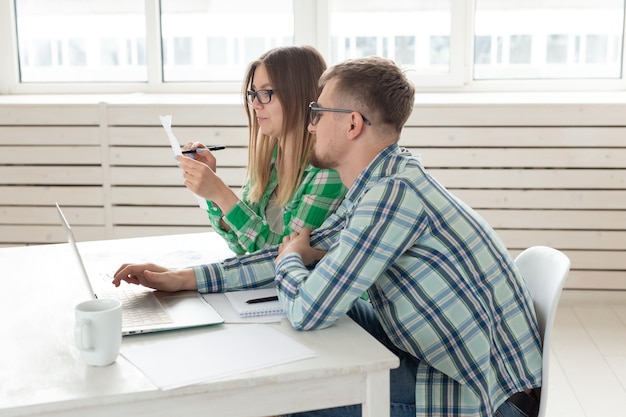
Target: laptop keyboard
[{"x": 140, "y": 308}]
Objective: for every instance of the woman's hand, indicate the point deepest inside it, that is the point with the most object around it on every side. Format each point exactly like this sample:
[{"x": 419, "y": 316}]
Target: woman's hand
[
  {"x": 300, "y": 243},
  {"x": 157, "y": 277},
  {"x": 202, "y": 154},
  {"x": 203, "y": 181}
]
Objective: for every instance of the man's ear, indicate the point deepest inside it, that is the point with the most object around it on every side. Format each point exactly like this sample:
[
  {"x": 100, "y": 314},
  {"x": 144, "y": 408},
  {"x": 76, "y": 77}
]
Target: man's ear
[{"x": 356, "y": 125}]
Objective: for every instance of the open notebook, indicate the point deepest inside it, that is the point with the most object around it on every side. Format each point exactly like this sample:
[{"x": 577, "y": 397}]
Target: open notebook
[{"x": 255, "y": 303}]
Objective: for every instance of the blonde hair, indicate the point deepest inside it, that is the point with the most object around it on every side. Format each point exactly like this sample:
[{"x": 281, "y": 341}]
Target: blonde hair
[{"x": 293, "y": 72}]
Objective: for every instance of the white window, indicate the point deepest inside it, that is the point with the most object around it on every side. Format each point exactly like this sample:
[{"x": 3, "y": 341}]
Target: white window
[
  {"x": 415, "y": 34},
  {"x": 206, "y": 45},
  {"x": 214, "y": 40},
  {"x": 548, "y": 40},
  {"x": 81, "y": 41}
]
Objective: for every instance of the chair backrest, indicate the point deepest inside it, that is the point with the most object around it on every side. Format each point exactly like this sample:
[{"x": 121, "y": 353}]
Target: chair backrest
[{"x": 544, "y": 270}]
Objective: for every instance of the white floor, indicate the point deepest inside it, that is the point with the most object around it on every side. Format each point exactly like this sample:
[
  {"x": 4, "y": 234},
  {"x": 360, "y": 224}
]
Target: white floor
[{"x": 588, "y": 360}]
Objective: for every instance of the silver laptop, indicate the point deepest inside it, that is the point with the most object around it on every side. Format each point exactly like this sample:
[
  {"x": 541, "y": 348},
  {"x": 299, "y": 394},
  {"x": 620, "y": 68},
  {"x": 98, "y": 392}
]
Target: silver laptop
[{"x": 145, "y": 310}]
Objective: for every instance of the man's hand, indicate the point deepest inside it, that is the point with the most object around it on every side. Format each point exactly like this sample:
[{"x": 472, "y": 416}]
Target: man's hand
[
  {"x": 301, "y": 244},
  {"x": 157, "y": 277}
]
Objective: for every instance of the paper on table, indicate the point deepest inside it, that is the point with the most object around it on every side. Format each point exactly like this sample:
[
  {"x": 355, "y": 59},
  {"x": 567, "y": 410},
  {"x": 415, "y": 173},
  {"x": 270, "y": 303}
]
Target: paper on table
[
  {"x": 166, "y": 121},
  {"x": 207, "y": 356}
]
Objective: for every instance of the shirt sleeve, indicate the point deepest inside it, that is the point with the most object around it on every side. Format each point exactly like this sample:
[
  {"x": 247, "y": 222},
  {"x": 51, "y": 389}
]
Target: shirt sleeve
[
  {"x": 247, "y": 271},
  {"x": 319, "y": 194},
  {"x": 379, "y": 231},
  {"x": 215, "y": 216},
  {"x": 230, "y": 236}
]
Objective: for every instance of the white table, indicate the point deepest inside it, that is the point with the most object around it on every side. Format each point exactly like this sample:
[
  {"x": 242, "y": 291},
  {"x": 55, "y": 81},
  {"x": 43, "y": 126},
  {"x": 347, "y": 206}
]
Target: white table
[{"x": 41, "y": 373}]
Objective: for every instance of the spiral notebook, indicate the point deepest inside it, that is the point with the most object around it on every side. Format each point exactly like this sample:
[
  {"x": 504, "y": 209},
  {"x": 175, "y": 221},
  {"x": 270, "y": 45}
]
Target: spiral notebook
[{"x": 241, "y": 302}]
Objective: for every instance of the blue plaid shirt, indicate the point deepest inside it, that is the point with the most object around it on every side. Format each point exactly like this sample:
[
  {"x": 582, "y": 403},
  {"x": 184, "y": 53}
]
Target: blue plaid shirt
[{"x": 442, "y": 283}]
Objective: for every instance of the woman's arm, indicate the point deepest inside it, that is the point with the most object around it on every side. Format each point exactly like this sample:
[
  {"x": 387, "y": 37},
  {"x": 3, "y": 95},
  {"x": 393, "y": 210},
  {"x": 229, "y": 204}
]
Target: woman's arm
[{"x": 317, "y": 197}]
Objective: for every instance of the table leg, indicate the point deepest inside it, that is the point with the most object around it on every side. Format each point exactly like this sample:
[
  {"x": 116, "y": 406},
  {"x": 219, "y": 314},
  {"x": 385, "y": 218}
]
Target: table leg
[{"x": 377, "y": 395}]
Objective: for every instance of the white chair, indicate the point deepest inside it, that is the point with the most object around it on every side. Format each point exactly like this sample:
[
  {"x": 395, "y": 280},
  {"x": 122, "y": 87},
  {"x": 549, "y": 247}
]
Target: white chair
[{"x": 544, "y": 270}]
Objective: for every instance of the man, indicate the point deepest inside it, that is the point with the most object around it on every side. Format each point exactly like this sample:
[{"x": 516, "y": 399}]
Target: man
[{"x": 444, "y": 294}]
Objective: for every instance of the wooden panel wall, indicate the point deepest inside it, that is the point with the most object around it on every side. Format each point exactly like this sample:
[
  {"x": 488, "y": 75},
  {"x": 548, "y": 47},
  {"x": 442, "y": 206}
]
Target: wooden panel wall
[{"x": 541, "y": 173}]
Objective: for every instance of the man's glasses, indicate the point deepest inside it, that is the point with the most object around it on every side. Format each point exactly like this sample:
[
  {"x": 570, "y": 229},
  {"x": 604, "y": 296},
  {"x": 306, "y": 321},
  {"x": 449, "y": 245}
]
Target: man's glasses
[
  {"x": 315, "y": 113},
  {"x": 262, "y": 96}
]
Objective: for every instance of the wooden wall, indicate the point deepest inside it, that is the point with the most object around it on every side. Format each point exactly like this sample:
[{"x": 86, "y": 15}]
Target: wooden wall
[{"x": 543, "y": 172}]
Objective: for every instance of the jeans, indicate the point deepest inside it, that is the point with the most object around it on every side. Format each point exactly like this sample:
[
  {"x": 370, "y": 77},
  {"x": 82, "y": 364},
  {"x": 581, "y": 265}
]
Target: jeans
[{"x": 402, "y": 379}]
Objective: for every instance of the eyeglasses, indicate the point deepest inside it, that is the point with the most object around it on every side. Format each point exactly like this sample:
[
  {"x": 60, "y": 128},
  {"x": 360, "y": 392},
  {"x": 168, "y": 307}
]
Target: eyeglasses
[
  {"x": 262, "y": 96},
  {"x": 315, "y": 110}
]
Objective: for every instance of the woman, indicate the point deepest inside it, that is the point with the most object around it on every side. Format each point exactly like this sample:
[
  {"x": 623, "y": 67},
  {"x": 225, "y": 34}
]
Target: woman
[{"x": 283, "y": 193}]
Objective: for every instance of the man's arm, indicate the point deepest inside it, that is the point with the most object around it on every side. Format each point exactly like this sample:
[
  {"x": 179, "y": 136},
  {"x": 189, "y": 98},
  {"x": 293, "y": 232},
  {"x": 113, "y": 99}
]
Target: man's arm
[
  {"x": 246, "y": 271},
  {"x": 382, "y": 227}
]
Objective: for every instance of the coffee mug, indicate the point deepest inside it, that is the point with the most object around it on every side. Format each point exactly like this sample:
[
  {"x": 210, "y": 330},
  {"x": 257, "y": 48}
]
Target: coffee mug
[{"x": 98, "y": 331}]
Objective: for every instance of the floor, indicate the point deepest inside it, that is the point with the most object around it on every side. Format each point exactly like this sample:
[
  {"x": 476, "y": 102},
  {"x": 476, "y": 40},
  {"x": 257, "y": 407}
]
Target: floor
[{"x": 588, "y": 360}]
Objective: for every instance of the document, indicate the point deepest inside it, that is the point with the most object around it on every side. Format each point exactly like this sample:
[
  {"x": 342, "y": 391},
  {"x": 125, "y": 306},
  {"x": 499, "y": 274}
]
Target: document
[
  {"x": 219, "y": 353},
  {"x": 166, "y": 121}
]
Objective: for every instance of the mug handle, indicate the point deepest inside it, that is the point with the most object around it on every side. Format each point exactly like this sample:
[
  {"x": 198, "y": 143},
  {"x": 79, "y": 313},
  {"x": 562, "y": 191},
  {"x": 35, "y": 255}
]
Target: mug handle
[{"x": 82, "y": 335}]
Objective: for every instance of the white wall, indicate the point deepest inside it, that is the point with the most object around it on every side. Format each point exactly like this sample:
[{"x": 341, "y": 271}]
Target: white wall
[{"x": 544, "y": 169}]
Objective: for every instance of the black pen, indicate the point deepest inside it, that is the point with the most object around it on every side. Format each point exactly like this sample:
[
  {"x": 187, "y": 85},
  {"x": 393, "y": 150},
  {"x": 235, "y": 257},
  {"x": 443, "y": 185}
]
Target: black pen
[
  {"x": 208, "y": 148},
  {"x": 262, "y": 300}
]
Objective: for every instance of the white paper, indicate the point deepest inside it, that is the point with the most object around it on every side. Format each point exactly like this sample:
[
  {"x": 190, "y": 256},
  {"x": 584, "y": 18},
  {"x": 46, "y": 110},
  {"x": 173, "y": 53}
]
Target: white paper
[
  {"x": 166, "y": 121},
  {"x": 203, "y": 357}
]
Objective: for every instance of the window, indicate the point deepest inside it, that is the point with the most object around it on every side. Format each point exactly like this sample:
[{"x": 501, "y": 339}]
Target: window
[
  {"x": 206, "y": 45},
  {"x": 214, "y": 40},
  {"x": 414, "y": 34},
  {"x": 81, "y": 41},
  {"x": 548, "y": 40}
]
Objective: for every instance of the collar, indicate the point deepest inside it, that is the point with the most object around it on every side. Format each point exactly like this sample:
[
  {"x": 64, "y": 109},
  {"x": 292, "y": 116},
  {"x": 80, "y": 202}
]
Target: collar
[{"x": 376, "y": 170}]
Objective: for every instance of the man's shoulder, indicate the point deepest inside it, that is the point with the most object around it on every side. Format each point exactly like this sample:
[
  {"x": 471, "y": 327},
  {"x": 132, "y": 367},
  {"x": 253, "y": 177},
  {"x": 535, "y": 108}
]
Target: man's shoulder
[{"x": 401, "y": 165}]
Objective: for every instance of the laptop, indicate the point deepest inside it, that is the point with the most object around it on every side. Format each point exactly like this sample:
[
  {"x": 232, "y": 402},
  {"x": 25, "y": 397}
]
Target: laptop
[{"x": 145, "y": 310}]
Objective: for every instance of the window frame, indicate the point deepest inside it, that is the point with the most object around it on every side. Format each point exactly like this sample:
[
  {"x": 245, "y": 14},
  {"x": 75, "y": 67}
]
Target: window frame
[{"x": 311, "y": 26}]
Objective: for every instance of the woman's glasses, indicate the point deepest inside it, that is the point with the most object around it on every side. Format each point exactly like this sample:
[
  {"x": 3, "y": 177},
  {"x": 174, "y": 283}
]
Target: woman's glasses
[
  {"x": 315, "y": 113},
  {"x": 262, "y": 96}
]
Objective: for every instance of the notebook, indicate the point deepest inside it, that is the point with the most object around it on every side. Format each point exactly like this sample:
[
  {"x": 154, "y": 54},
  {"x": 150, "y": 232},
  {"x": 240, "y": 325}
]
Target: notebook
[
  {"x": 255, "y": 303},
  {"x": 145, "y": 310}
]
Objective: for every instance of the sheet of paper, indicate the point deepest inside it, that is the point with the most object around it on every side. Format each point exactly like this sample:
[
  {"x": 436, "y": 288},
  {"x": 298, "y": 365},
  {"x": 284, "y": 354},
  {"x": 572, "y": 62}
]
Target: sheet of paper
[
  {"x": 166, "y": 121},
  {"x": 202, "y": 357}
]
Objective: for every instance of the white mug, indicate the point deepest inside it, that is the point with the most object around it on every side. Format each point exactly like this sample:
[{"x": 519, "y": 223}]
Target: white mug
[{"x": 98, "y": 331}]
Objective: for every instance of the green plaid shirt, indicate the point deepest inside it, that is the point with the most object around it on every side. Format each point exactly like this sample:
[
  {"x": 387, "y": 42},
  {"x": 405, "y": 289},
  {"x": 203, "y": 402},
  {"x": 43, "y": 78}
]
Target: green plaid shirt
[{"x": 318, "y": 195}]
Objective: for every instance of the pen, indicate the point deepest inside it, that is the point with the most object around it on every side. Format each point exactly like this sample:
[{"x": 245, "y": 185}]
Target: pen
[
  {"x": 209, "y": 148},
  {"x": 262, "y": 300}
]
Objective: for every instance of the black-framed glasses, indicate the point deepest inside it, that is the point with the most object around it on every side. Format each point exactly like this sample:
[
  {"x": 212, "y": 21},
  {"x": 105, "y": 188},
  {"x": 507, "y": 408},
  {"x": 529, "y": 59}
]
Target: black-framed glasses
[
  {"x": 262, "y": 96},
  {"x": 315, "y": 110}
]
